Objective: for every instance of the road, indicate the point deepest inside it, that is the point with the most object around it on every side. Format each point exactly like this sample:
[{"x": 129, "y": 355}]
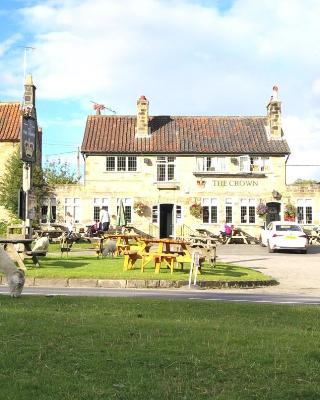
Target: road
[{"x": 298, "y": 274}]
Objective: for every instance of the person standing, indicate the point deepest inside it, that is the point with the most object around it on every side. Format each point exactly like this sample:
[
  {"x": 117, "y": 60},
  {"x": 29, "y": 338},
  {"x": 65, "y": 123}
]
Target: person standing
[
  {"x": 69, "y": 223},
  {"x": 104, "y": 219}
]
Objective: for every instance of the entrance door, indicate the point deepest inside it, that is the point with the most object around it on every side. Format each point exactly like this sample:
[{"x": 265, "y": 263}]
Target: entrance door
[
  {"x": 273, "y": 213},
  {"x": 166, "y": 221}
]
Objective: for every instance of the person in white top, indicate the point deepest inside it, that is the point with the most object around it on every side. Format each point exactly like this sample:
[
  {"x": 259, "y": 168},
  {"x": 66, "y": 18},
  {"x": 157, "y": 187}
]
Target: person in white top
[{"x": 104, "y": 219}]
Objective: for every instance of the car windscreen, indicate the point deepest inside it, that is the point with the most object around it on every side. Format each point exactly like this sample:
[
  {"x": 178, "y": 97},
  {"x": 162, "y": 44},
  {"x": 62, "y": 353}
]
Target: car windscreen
[{"x": 288, "y": 228}]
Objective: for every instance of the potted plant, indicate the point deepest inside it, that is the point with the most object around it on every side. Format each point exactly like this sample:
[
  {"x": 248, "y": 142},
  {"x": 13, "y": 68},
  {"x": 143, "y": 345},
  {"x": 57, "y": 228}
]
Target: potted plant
[
  {"x": 289, "y": 212},
  {"x": 139, "y": 207},
  {"x": 262, "y": 210},
  {"x": 196, "y": 210}
]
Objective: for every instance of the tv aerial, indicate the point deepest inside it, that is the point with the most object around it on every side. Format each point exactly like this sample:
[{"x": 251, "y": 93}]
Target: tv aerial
[{"x": 99, "y": 107}]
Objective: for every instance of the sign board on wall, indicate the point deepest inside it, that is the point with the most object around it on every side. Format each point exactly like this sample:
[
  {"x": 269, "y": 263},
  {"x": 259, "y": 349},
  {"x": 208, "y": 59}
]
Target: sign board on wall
[
  {"x": 235, "y": 182},
  {"x": 28, "y": 139}
]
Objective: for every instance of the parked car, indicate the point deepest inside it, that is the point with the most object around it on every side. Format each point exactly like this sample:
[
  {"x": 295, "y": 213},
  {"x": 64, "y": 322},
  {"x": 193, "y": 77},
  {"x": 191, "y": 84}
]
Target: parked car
[{"x": 284, "y": 235}]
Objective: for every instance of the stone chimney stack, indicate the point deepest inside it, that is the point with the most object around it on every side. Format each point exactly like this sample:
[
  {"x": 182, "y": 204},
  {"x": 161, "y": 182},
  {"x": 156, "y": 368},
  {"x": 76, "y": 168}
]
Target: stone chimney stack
[
  {"x": 274, "y": 115},
  {"x": 142, "y": 128},
  {"x": 29, "y": 98}
]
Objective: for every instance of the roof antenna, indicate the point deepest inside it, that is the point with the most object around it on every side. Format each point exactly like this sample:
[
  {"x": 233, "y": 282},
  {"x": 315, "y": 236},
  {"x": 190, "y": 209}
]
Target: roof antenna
[{"x": 99, "y": 107}]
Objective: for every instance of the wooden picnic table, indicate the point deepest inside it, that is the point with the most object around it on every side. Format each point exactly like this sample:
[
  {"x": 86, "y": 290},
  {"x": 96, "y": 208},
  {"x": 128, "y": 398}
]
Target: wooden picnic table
[
  {"x": 237, "y": 236},
  {"x": 17, "y": 255},
  {"x": 124, "y": 242},
  {"x": 168, "y": 251}
]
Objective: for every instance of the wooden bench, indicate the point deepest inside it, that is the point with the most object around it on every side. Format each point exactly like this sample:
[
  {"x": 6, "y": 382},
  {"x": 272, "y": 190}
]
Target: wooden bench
[
  {"x": 168, "y": 258},
  {"x": 130, "y": 257}
]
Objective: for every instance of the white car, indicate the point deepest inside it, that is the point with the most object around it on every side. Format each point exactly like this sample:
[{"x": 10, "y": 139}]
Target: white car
[{"x": 284, "y": 235}]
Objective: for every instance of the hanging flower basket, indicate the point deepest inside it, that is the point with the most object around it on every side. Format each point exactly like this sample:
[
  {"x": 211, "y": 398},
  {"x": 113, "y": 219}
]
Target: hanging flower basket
[
  {"x": 139, "y": 208},
  {"x": 196, "y": 210},
  {"x": 289, "y": 212},
  {"x": 262, "y": 210}
]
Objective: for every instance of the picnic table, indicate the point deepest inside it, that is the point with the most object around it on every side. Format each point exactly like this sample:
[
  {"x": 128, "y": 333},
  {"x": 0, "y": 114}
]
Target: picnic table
[
  {"x": 124, "y": 241},
  {"x": 237, "y": 236},
  {"x": 168, "y": 251},
  {"x": 17, "y": 255}
]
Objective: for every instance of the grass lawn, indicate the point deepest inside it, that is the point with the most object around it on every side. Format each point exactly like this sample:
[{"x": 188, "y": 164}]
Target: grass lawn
[
  {"x": 89, "y": 266},
  {"x": 117, "y": 348}
]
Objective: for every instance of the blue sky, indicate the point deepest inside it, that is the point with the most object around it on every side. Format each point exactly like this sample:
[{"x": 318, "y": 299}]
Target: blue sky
[{"x": 188, "y": 57}]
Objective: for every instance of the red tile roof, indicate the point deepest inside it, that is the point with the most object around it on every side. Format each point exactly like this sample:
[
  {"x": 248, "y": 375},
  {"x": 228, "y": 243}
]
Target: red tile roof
[
  {"x": 10, "y": 122},
  {"x": 184, "y": 135}
]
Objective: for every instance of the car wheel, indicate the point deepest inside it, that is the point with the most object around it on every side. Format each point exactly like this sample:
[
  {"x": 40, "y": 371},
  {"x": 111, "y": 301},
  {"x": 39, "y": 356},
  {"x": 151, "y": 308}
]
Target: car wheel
[{"x": 270, "y": 250}]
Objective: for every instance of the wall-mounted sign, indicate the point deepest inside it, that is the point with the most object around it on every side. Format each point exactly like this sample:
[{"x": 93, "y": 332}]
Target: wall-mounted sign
[
  {"x": 28, "y": 139},
  {"x": 235, "y": 182}
]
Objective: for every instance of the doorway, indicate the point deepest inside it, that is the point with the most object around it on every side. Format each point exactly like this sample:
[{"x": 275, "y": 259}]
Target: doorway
[
  {"x": 166, "y": 221},
  {"x": 273, "y": 213}
]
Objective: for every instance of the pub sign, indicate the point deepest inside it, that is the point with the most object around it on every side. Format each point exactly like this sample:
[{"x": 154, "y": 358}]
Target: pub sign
[{"x": 28, "y": 139}]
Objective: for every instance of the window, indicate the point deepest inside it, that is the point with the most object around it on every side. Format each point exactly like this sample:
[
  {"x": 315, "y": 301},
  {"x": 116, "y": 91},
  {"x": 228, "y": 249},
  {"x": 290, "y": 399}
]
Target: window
[
  {"x": 127, "y": 204},
  {"x": 248, "y": 211},
  {"x": 304, "y": 211},
  {"x": 49, "y": 211},
  {"x": 121, "y": 163},
  {"x": 254, "y": 164},
  {"x": 155, "y": 214},
  {"x": 209, "y": 210},
  {"x": 165, "y": 168},
  {"x": 72, "y": 206},
  {"x": 97, "y": 204},
  {"x": 178, "y": 214},
  {"x": 228, "y": 211},
  {"x": 214, "y": 164}
]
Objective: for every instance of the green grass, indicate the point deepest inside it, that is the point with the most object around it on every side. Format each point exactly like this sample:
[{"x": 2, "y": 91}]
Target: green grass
[
  {"x": 103, "y": 348},
  {"x": 89, "y": 266}
]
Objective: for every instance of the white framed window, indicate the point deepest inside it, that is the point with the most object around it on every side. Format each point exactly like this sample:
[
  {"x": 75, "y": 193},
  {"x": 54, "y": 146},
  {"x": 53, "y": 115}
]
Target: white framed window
[
  {"x": 228, "y": 210},
  {"x": 212, "y": 164},
  {"x": 209, "y": 210},
  {"x": 127, "y": 204},
  {"x": 254, "y": 164},
  {"x": 49, "y": 211},
  {"x": 72, "y": 206},
  {"x": 99, "y": 202},
  {"x": 248, "y": 211},
  {"x": 304, "y": 211},
  {"x": 121, "y": 163},
  {"x": 155, "y": 214},
  {"x": 166, "y": 168}
]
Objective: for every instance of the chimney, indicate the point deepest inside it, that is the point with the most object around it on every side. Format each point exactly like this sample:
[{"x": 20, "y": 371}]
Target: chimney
[
  {"x": 142, "y": 128},
  {"x": 274, "y": 115}
]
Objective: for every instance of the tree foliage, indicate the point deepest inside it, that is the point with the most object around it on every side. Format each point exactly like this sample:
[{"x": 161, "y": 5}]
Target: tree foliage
[
  {"x": 305, "y": 182},
  {"x": 59, "y": 173},
  {"x": 11, "y": 182}
]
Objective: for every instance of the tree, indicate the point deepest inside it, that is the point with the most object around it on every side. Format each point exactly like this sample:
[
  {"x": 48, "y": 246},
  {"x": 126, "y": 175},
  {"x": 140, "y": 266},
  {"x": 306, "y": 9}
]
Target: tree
[
  {"x": 305, "y": 182},
  {"x": 59, "y": 173},
  {"x": 11, "y": 182}
]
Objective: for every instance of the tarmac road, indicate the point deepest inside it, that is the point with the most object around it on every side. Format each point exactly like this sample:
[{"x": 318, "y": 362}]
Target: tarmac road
[{"x": 296, "y": 273}]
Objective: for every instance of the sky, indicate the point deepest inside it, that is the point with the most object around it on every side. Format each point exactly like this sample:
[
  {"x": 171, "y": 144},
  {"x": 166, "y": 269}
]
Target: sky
[{"x": 188, "y": 57}]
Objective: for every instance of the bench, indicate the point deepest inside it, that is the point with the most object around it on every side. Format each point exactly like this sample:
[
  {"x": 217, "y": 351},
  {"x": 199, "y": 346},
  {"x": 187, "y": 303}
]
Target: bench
[{"x": 34, "y": 255}]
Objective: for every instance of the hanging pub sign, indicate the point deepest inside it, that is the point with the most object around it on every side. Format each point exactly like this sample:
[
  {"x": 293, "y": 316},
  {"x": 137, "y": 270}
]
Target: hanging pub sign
[{"x": 28, "y": 139}]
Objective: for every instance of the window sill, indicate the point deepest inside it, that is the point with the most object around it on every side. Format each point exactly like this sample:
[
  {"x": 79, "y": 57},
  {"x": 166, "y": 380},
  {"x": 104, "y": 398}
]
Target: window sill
[
  {"x": 167, "y": 185},
  {"x": 230, "y": 175}
]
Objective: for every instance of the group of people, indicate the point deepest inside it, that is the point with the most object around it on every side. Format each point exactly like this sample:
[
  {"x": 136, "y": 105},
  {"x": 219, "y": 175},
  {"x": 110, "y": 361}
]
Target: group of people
[{"x": 102, "y": 225}]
